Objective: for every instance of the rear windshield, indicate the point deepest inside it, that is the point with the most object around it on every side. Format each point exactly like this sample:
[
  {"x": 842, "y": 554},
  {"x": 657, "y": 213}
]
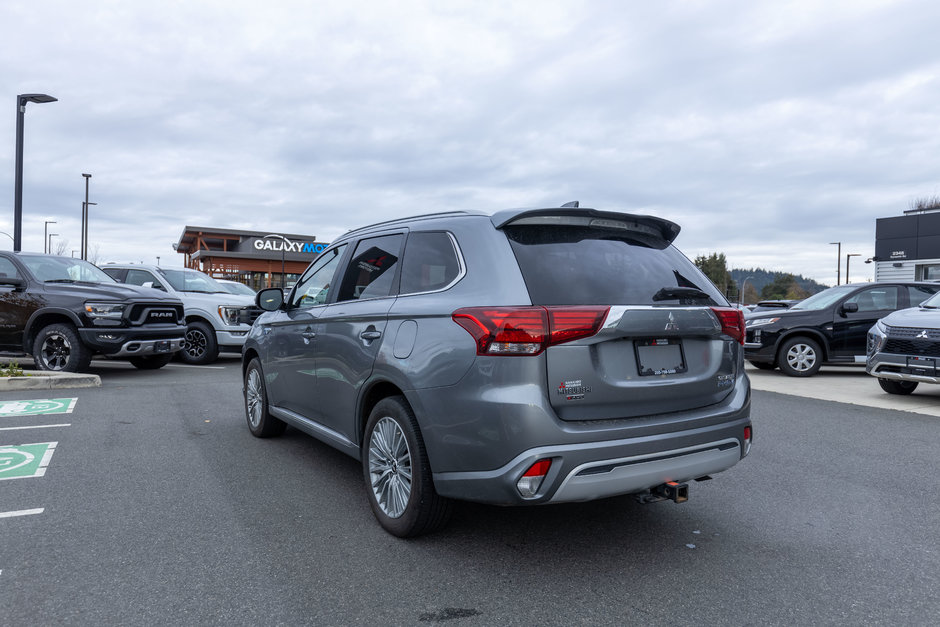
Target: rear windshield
[{"x": 575, "y": 265}]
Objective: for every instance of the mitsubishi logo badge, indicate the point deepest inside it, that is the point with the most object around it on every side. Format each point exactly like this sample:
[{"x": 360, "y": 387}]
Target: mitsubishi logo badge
[
  {"x": 922, "y": 335},
  {"x": 671, "y": 325}
]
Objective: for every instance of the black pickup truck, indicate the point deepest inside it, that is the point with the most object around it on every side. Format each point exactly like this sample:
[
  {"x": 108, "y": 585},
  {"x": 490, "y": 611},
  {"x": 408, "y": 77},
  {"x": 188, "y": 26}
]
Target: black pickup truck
[{"x": 63, "y": 311}]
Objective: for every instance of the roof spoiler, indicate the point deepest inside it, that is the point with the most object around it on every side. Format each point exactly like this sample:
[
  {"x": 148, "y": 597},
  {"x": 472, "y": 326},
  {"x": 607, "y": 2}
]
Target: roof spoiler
[{"x": 572, "y": 214}]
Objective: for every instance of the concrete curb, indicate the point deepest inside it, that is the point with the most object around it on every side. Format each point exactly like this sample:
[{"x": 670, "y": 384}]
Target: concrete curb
[{"x": 45, "y": 380}]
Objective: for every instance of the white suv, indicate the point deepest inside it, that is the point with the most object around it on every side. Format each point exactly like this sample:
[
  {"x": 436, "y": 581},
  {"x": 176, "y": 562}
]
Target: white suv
[{"x": 213, "y": 315}]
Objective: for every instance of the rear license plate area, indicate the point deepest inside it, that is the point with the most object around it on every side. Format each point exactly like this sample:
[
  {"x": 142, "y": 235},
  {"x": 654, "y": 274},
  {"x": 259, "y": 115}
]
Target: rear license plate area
[
  {"x": 656, "y": 357},
  {"x": 926, "y": 366}
]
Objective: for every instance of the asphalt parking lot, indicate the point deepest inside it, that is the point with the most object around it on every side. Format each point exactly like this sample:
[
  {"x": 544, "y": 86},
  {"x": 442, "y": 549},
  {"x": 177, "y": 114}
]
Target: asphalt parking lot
[{"x": 158, "y": 507}]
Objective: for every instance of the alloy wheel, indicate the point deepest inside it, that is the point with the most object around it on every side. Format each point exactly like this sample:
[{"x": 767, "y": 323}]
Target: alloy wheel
[
  {"x": 390, "y": 467},
  {"x": 254, "y": 397},
  {"x": 55, "y": 352}
]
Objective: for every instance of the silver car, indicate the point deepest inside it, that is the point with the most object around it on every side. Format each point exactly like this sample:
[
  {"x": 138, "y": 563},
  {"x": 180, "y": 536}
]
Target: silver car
[
  {"x": 904, "y": 348},
  {"x": 529, "y": 357}
]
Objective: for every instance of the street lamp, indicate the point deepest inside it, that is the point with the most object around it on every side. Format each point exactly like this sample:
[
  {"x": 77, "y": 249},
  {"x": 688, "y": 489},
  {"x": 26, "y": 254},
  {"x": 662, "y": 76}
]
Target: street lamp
[
  {"x": 838, "y": 260},
  {"x": 49, "y": 241},
  {"x": 21, "y": 101},
  {"x": 85, "y": 206},
  {"x": 286, "y": 241},
  {"x": 847, "y": 258},
  {"x": 741, "y": 295},
  {"x": 45, "y": 234}
]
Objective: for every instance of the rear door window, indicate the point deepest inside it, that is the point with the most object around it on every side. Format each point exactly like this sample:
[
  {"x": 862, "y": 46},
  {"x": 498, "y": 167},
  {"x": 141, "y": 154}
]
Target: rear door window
[
  {"x": 919, "y": 293},
  {"x": 577, "y": 265},
  {"x": 371, "y": 271}
]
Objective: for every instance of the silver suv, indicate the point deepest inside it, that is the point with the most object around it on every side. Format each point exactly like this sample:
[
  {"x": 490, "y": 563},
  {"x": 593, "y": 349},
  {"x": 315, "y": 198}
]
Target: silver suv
[{"x": 528, "y": 357}]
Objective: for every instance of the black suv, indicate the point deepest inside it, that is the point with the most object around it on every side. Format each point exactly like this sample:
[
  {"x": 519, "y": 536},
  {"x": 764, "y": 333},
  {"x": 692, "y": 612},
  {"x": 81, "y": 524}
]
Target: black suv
[
  {"x": 62, "y": 311},
  {"x": 830, "y": 327}
]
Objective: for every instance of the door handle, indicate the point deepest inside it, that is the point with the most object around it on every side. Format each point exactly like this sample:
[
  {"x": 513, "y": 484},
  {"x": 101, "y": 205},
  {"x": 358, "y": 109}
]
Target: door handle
[
  {"x": 308, "y": 333},
  {"x": 370, "y": 335}
]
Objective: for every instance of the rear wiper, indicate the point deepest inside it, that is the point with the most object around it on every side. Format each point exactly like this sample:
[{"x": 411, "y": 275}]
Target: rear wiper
[{"x": 680, "y": 293}]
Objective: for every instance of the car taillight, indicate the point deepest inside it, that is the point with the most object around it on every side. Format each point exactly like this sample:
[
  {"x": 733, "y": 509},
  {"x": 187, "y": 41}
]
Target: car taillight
[
  {"x": 527, "y": 330},
  {"x": 530, "y": 482},
  {"x": 732, "y": 322}
]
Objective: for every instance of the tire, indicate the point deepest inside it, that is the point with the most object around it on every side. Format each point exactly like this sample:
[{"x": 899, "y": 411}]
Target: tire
[
  {"x": 897, "y": 387},
  {"x": 200, "y": 346},
  {"x": 761, "y": 365},
  {"x": 57, "y": 347},
  {"x": 397, "y": 472},
  {"x": 800, "y": 357},
  {"x": 261, "y": 423},
  {"x": 151, "y": 362}
]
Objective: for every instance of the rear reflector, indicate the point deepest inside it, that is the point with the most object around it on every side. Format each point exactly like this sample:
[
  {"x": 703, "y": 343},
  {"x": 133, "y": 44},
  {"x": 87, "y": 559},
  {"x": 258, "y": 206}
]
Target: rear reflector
[
  {"x": 527, "y": 330},
  {"x": 531, "y": 481},
  {"x": 732, "y": 322}
]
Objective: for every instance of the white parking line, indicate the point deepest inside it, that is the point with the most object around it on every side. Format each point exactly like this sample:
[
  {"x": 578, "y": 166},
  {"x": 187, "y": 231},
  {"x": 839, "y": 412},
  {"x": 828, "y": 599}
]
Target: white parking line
[
  {"x": 194, "y": 366},
  {"x": 67, "y": 424},
  {"x": 22, "y": 512}
]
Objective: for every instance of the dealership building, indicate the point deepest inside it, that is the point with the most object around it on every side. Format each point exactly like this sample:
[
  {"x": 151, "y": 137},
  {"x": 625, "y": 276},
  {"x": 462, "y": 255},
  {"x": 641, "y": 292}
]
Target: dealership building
[
  {"x": 907, "y": 247},
  {"x": 256, "y": 258}
]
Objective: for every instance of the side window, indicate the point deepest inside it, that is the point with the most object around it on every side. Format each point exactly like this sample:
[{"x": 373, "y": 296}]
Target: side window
[
  {"x": 876, "y": 299},
  {"x": 8, "y": 270},
  {"x": 430, "y": 263},
  {"x": 139, "y": 277},
  {"x": 313, "y": 288},
  {"x": 372, "y": 269},
  {"x": 919, "y": 293}
]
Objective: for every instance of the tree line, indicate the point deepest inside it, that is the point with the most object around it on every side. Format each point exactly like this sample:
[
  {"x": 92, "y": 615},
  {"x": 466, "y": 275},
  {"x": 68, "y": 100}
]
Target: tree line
[{"x": 757, "y": 284}]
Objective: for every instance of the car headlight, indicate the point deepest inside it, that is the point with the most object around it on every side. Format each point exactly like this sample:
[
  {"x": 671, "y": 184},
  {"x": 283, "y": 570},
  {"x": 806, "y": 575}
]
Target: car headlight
[
  {"x": 111, "y": 311},
  {"x": 230, "y": 315},
  {"x": 759, "y": 322},
  {"x": 877, "y": 336}
]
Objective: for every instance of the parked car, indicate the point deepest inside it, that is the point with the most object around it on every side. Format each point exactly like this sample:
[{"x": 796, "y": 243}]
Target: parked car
[
  {"x": 236, "y": 287},
  {"x": 62, "y": 311},
  {"x": 904, "y": 348},
  {"x": 772, "y": 305},
  {"x": 216, "y": 320},
  {"x": 528, "y": 357},
  {"x": 830, "y": 327}
]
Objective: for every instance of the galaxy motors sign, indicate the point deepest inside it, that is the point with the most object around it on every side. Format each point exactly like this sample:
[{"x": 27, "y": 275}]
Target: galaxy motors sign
[{"x": 285, "y": 245}]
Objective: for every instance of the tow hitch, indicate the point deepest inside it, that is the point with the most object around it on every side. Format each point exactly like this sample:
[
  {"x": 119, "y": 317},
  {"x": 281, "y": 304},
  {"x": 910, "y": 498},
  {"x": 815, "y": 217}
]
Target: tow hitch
[{"x": 670, "y": 491}]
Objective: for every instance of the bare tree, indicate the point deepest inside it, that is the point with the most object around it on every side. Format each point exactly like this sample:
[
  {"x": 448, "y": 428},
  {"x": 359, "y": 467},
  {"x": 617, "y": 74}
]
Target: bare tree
[
  {"x": 61, "y": 247},
  {"x": 94, "y": 254},
  {"x": 926, "y": 204}
]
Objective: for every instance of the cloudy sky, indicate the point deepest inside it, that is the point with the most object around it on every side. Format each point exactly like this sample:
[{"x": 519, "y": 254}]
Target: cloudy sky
[{"x": 766, "y": 130}]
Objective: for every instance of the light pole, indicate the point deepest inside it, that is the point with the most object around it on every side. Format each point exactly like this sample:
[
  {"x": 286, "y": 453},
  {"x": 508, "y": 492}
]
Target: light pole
[
  {"x": 49, "y": 241},
  {"x": 85, "y": 218},
  {"x": 286, "y": 241},
  {"x": 741, "y": 295},
  {"x": 838, "y": 260},
  {"x": 848, "y": 257},
  {"x": 45, "y": 234},
  {"x": 21, "y": 101},
  {"x": 8, "y": 235}
]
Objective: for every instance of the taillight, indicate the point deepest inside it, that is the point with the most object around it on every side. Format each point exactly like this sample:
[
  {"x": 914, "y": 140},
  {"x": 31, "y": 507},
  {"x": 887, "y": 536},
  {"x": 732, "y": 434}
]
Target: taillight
[
  {"x": 530, "y": 482},
  {"x": 732, "y": 322},
  {"x": 527, "y": 330}
]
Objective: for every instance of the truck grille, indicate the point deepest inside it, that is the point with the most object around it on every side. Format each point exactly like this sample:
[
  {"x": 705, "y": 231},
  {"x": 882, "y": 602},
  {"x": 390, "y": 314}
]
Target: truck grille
[{"x": 154, "y": 313}]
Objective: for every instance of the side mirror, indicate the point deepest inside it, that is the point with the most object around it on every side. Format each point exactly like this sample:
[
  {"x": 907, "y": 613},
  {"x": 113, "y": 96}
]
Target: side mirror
[
  {"x": 270, "y": 299},
  {"x": 14, "y": 282},
  {"x": 849, "y": 308}
]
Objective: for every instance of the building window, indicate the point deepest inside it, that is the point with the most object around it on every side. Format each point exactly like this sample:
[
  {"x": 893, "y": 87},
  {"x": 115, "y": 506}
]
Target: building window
[{"x": 928, "y": 272}]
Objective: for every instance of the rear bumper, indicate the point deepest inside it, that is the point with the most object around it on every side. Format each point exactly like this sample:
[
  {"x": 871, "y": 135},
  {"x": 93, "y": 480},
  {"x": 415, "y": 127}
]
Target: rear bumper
[{"x": 601, "y": 470}]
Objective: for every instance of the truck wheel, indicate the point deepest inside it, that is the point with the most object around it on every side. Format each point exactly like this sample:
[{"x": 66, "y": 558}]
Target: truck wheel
[
  {"x": 199, "y": 345},
  {"x": 398, "y": 474},
  {"x": 151, "y": 362},
  {"x": 261, "y": 423},
  {"x": 800, "y": 357},
  {"x": 57, "y": 347},
  {"x": 897, "y": 387}
]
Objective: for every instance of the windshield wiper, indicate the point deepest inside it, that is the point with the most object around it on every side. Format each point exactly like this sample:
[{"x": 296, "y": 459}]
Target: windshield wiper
[
  {"x": 60, "y": 281},
  {"x": 680, "y": 293}
]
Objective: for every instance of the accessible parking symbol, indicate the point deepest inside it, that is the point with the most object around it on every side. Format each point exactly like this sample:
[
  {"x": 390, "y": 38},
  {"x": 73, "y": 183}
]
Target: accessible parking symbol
[
  {"x": 25, "y": 460},
  {"x": 38, "y": 407}
]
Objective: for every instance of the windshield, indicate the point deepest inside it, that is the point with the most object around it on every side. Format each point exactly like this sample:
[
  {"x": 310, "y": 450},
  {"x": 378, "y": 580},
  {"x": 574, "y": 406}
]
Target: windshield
[
  {"x": 824, "y": 298},
  {"x": 64, "y": 269},
  {"x": 238, "y": 288},
  {"x": 933, "y": 302},
  {"x": 192, "y": 281}
]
